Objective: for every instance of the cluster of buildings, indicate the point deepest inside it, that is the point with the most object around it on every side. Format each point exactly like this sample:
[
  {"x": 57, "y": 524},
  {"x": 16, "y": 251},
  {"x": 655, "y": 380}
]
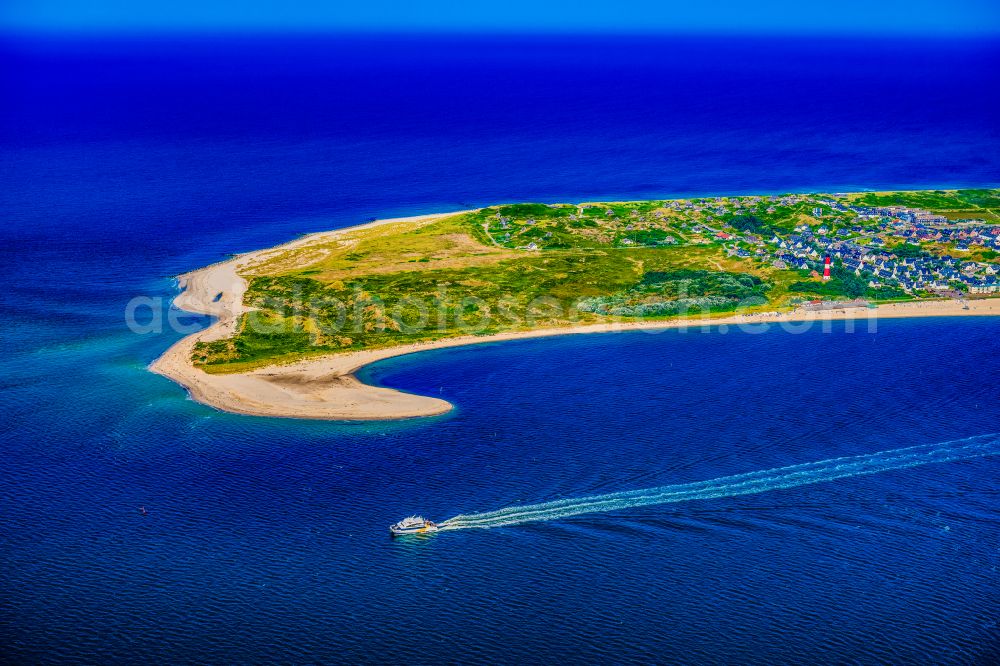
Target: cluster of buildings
[
  {"x": 862, "y": 249},
  {"x": 711, "y": 208},
  {"x": 859, "y": 238},
  {"x": 901, "y": 213}
]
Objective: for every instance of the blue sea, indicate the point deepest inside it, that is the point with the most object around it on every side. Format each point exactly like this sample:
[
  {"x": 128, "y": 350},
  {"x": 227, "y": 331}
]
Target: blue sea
[{"x": 124, "y": 162}]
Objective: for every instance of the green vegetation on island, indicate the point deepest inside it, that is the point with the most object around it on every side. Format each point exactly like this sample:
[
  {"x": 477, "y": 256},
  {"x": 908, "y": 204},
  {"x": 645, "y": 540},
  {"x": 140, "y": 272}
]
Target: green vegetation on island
[{"x": 526, "y": 266}]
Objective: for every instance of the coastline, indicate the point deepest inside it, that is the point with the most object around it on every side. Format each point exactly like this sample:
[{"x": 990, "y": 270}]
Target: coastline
[
  {"x": 218, "y": 290},
  {"x": 326, "y": 387}
]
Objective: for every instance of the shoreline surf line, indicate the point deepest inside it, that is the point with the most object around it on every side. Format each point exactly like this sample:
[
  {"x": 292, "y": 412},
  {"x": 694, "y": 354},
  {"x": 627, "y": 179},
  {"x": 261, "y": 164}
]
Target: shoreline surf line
[
  {"x": 325, "y": 387},
  {"x": 748, "y": 483}
]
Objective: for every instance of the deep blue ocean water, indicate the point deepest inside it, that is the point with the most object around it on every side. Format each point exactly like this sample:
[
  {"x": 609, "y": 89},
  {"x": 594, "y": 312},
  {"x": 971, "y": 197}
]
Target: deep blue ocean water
[{"x": 124, "y": 163}]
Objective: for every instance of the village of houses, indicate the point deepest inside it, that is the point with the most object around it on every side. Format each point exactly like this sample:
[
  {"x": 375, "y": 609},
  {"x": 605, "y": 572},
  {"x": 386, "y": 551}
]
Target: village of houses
[
  {"x": 798, "y": 232},
  {"x": 863, "y": 244}
]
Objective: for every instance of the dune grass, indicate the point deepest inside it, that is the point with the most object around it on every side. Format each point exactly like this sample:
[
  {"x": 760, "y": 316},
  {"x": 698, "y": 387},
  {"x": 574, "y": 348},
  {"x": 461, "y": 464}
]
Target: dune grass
[{"x": 526, "y": 266}]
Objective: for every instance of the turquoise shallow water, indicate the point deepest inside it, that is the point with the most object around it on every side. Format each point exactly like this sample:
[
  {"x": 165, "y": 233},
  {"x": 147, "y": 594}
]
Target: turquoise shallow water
[{"x": 265, "y": 540}]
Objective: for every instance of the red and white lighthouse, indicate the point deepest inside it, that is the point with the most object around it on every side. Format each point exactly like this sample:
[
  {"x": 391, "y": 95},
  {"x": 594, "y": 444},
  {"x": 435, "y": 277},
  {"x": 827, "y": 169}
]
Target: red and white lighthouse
[{"x": 826, "y": 269}]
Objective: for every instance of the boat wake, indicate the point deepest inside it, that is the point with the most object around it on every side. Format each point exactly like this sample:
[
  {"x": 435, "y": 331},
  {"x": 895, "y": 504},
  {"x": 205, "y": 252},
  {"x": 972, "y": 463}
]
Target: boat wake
[{"x": 739, "y": 484}]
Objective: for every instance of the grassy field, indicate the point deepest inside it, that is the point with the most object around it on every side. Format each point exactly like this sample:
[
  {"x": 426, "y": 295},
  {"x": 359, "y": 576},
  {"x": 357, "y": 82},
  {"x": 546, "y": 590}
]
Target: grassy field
[
  {"x": 935, "y": 200},
  {"x": 525, "y": 266}
]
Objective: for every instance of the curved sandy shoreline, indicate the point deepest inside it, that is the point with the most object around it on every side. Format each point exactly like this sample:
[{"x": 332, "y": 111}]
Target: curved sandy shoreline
[
  {"x": 313, "y": 389},
  {"x": 326, "y": 388}
]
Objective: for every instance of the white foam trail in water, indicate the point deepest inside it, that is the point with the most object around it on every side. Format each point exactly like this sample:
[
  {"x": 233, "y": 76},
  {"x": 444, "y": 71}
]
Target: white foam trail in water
[{"x": 739, "y": 484}]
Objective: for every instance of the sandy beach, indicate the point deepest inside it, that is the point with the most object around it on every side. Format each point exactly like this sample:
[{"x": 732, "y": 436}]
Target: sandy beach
[{"x": 326, "y": 387}]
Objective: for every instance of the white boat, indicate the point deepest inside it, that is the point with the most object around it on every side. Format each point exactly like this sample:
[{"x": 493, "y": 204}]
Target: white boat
[{"x": 413, "y": 525}]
